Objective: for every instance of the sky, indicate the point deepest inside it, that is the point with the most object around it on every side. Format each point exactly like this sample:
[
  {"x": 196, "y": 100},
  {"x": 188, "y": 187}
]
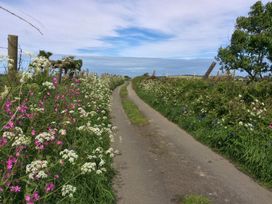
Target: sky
[{"x": 167, "y": 29}]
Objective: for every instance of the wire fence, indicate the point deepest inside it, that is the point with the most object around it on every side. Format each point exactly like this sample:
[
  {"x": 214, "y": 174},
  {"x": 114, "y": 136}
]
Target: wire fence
[{"x": 23, "y": 61}]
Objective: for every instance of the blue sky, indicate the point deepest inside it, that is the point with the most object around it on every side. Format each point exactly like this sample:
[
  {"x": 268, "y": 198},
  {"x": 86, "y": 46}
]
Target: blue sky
[
  {"x": 142, "y": 28},
  {"x": 168, "y": 29}
]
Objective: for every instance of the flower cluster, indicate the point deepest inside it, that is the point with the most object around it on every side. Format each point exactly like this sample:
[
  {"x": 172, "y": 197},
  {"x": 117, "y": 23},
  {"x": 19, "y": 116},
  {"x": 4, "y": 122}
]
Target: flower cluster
[
  {"x": 45, "y": 137},
  {"x": 48, "y": 85},
  {"x": 88, "y": 167},
  {"x": 69, "y": 155},
  {"x": 35, "y": 169},
  {"x": 68, "y": 190},
  {"x": 40, "y": 64}
]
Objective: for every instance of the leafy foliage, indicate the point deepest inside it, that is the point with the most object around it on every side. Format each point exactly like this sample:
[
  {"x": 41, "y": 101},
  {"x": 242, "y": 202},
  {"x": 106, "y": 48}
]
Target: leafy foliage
[{"x": 251, "y": 43}]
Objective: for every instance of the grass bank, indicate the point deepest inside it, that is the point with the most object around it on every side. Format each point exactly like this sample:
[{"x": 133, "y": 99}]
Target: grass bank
[{"x": 232, "y": 117}]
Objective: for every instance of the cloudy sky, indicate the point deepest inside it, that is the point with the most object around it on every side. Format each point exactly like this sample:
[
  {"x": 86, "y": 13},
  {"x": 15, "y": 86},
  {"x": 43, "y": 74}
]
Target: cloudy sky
[
  {"x": 174, "y": 29},
  {"x": 188, "y": 32}
]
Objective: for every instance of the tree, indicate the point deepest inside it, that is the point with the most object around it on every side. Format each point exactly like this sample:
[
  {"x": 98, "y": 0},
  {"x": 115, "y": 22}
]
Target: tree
[
  {"x": 250, "y": 49},
  {"x": 45, "y": 54}
]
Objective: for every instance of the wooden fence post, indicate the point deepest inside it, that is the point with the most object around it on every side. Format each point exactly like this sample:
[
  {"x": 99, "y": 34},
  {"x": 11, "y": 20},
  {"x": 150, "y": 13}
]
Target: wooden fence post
[
  {"x": 12, "y": 55},
  {"x": 208, "y": 72}
]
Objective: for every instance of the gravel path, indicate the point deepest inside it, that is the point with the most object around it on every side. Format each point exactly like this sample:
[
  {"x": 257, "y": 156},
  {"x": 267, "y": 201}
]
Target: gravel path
[{"x": 160, "y": 164}]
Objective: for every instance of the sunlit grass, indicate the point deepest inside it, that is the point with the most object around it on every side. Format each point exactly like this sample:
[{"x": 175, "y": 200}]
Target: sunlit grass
[
  {"x": 132, "y": 111},
  {"x": 195, "y": 199}
]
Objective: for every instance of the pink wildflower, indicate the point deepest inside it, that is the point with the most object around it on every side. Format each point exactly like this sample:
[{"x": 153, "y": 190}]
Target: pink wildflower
[
  {"x": 270, "y": 125},
  {"x": 9, "y": 125},
  {"x": 31, "y": 199},
  {"x": 28, "y": 198},
  {"x": 62, "y": 132},
  {"x": 15, "y": 189},
  {"x": 36, "y": 196},
  {"x": 12, "y": 160},
  {"x": 33, "y": 132},
  {"x": 39, "y": 145},
  {"x": 59, "y": 142},
  {"x": 55, "y": 81},
  {"x": 3, "y": 141},
  {"x": 22, "y": 108},
  {"x": 49, "y": 187},
  {"x": 8, "y": 105}
]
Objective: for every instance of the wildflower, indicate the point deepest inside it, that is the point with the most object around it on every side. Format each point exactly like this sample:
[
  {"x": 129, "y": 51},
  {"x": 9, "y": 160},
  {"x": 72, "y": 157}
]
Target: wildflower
[
  {"x": 28, "y": 199},
  {"x": 69, "y": 155},
  {"x": 5, "y": 92},
  {"x": 44, "y": 136},
  {"x": 21, "y": 140},
  {"x": 31, "y": 199},
  {"x": 98, "y": 172},
  {"x": 15, "y": 189},
  {"x": 3, "y": 141},
  {"x": 48, "y": 85},
  {"x": 68, "y": 190},
  {"x": 9, "y": 125},
  {"x": 270, "y": 125},
  {"x": 88, "y": 167},
  {"x": 25, "y": 76},
  {"x": 36, "y": 169},
  {"x": 49, "y": 187},
  {"x": 35, "y": 196},
  {"x": 10, "y": 162},
  {"x": 55, "y": 81},
  {"x": 59, "y": 142},
  {"x": 62, "y": 132}
]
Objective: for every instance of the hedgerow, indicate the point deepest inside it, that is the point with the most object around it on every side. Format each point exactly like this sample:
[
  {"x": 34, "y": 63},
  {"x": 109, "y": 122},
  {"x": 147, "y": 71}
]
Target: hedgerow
[{"x": 233, "y": 117}]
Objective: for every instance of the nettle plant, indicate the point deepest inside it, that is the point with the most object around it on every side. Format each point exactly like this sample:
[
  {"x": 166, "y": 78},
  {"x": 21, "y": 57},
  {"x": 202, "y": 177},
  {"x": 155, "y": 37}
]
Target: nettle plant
[{"x": 55, "y": 139}]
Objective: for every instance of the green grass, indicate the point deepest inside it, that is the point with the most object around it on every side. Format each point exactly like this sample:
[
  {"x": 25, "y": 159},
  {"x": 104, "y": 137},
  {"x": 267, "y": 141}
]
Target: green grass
[
  {"x": 132, "y": 111},
  {"x": 195, "y": 199},
  {"x": 216, "y": 113}
]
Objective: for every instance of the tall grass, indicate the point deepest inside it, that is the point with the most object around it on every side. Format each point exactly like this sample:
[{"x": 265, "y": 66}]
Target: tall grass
[{"x": 232, "y": 117}]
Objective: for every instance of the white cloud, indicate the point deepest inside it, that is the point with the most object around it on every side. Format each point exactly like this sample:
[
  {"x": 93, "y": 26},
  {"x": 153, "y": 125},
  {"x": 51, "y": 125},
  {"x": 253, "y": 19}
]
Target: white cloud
[{"x": 198, "y": 27}]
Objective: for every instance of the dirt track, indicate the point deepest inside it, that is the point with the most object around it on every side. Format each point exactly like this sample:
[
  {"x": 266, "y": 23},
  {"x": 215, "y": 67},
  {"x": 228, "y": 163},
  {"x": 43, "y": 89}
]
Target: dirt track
[{"x": 160, "y": 163}]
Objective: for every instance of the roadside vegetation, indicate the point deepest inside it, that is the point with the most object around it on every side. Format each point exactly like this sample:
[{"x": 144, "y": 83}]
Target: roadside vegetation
[
  {"x": 55, "y": 138},
  {"x": 233, "y": 117},
  {"x": 132, "y": 111},
  {"x": 195, "y": 199}
]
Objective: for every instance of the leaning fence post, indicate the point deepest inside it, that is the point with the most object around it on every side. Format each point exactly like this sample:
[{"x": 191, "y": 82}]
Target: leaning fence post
[
  {"x": 208, "y": 72},
  {"x": 12, "y": 55}
]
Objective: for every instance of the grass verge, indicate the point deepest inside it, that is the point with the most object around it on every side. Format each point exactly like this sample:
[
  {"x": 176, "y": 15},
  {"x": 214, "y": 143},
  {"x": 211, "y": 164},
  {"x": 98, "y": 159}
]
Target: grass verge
[
  {"x": 195, "y": 199},
  {"x": 132, "y": 111}
]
